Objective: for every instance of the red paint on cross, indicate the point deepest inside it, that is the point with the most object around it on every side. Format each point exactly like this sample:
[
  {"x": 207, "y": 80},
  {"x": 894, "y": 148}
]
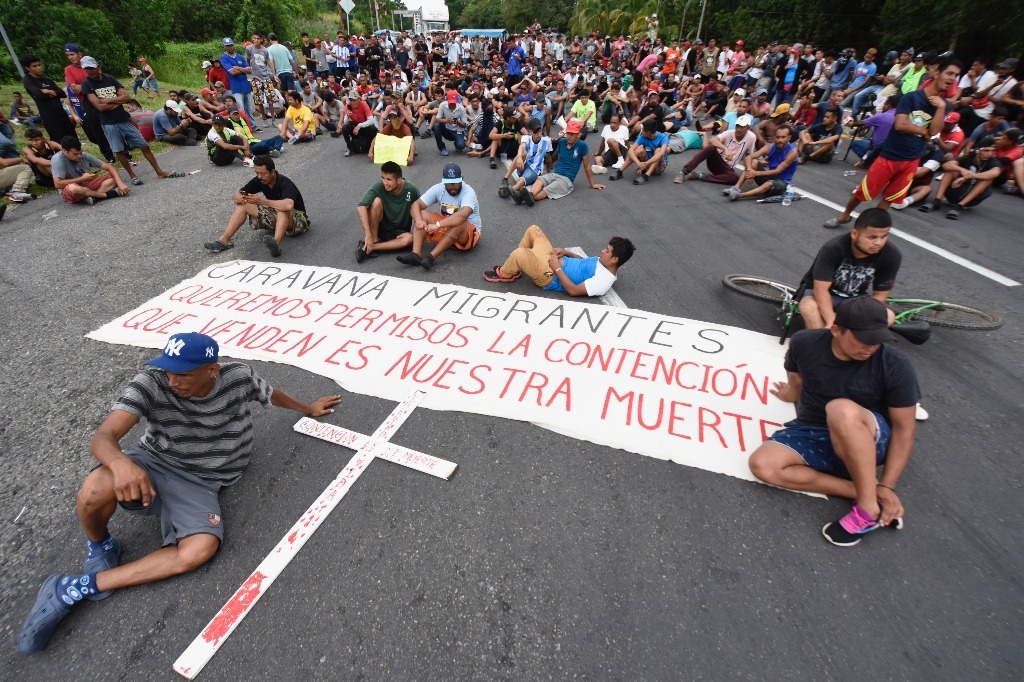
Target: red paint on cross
[{"x": 235, "y": 609}]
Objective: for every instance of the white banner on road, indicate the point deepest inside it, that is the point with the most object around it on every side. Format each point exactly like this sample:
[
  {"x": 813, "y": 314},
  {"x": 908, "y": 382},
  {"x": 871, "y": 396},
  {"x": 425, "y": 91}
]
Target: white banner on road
[{"x": 672, "y": 388}]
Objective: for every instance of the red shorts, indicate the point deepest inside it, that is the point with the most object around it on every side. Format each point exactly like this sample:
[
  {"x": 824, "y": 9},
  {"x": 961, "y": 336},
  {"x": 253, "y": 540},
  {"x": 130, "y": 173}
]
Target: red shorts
[
  {"x": 93, "y": 184},
  {"x": 887, "y": 179},
  {"x": 472, "y": 239}
]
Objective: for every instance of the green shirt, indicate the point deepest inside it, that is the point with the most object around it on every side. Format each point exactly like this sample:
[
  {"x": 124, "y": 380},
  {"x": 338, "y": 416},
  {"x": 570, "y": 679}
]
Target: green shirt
[{"x": 396, "y": 206}]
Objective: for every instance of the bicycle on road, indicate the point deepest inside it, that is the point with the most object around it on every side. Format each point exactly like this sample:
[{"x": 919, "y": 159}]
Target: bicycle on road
[{"x": 914, "y": 316}]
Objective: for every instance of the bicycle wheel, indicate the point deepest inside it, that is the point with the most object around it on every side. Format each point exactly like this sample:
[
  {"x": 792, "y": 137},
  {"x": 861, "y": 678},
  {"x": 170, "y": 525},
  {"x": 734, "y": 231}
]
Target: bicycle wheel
[
  {"x": 758, "y": 287},
  {"x": 949, "y": 315}
]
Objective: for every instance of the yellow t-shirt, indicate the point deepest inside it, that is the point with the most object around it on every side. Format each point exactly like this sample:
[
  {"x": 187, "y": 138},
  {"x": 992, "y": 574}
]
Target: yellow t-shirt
[{"x": 299, "y": 116}]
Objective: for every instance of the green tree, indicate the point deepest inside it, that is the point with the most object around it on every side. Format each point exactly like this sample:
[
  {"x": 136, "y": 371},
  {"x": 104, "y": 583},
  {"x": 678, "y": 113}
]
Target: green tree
[
  {"x": 480, "y": 14},
  {"x": 612, "y": 17},
  {"x": 519, "y": 14}
]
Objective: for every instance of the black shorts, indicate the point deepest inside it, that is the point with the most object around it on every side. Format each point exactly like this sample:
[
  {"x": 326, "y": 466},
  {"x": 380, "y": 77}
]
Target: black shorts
[{"x": 389, "y": 231}]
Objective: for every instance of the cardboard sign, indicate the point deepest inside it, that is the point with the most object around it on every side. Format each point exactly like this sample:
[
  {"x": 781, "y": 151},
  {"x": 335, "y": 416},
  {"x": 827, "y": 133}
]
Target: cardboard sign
[{"x": 391, "y": 148}]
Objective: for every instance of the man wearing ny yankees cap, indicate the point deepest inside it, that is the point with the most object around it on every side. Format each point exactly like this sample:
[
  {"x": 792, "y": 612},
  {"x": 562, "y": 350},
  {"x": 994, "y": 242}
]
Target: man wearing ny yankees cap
[{"x": 198, "y": 439}]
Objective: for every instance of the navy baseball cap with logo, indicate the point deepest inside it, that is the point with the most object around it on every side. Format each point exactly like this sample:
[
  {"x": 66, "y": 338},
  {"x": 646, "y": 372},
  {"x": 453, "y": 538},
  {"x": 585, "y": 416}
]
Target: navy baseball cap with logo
[
  {"x": 452, "y": 174},
  {"x": 184, "y": 352}
]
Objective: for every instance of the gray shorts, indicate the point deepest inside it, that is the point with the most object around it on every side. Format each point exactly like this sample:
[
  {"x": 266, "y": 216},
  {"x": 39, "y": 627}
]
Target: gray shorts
[
  {"x": 185, "y": 503},
  {"x": 124, "y": 136},
  {"x": 556, "y": 186}
]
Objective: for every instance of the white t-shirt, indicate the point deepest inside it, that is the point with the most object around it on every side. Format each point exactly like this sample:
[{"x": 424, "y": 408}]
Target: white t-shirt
[
  {"x": 621, "y": 135},
  {"x": 600, "y": 283}
]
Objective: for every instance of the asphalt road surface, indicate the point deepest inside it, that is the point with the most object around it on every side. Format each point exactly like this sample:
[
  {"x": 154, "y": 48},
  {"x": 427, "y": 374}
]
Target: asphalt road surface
[{"x": 544, "y": 557}]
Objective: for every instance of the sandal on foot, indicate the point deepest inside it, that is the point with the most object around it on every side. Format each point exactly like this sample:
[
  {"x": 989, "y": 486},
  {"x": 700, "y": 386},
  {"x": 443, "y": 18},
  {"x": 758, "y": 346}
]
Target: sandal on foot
[
  {"x": 137, "y": 181},
  {"x": 217, "y": 246}
]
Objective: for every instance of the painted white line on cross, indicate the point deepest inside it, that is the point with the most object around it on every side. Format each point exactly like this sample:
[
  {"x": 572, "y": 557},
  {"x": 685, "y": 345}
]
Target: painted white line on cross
[
  {"x": 611, "y": 298},
  {"x": 206, "y": 644},
  {"x": 917, "y": 241}
]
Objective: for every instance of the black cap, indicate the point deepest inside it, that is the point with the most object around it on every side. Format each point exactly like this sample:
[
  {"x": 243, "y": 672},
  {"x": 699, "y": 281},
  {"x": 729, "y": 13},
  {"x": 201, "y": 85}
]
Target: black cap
[
  {"x": 986, "y": 141},
  {"x": 220, "y": 120},
  {"x": 1015, "y": 135},
  {"x": 867, "y": 318}
]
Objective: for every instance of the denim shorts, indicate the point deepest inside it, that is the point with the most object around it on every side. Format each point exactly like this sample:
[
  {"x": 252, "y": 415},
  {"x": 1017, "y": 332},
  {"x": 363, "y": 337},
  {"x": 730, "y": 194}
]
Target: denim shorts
[
  {"x": 186, "y": 504},
  {"x": 528, "y": 174},
  {"x": 124, "y": 136},
  {"x": 814, "y": 444}
]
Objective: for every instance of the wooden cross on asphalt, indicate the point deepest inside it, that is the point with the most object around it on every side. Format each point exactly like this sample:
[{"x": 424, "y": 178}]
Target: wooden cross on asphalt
[{"x": 206, "y": 644}]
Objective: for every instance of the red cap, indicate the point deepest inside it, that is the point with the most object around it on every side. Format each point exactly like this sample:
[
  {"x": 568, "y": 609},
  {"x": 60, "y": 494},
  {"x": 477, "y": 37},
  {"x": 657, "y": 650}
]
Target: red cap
[
  {"x": 739, "y": 43},
  {"x": 952, "y": 117},
  {"x": 452, "y": 97},
  {"x": 574, "y": 126}
]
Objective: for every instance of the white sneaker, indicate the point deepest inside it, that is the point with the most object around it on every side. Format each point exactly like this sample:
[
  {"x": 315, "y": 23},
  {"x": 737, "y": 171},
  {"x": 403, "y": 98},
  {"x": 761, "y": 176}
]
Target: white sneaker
[
  {"x": 903, "y": 204},
  {"x": 619, "y": 164},
  {"x": 19, "y": 197},
  {"x": 248, "y": 162},
  {"x": 920, "y": 414},
  {"x": 476, "y": 147},
  {"x": 598, "y": 170}
]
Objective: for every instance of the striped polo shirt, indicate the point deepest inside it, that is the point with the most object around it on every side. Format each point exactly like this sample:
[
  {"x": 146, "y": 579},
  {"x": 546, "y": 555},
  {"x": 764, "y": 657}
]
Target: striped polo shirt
[{"x": 211, "y": 436}]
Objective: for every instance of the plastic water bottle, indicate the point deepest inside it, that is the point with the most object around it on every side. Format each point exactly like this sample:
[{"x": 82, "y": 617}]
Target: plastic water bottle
[
  {"x": 50, "y": 216},
  {"x": 787, "y": 198}
]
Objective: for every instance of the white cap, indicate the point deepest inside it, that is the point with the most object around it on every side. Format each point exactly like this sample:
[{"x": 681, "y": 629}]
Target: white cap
[
  {"x": 744, "y": 120},
  {"x": 207, "y": 64},
  {"x": 171, "y": 104},
  {"x": 741, "y": 92}
]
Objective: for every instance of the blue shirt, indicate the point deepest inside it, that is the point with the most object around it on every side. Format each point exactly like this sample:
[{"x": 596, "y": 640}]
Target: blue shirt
[
  {"x": 841, "y": 74},
  {"x": 651, "y": 146},
  {"x": 775, "y": 158},
  {"x": 578, "y": 270},
  {"x": 162, "y": 122},
  {"x": 451, "y": 204},
  {"x": 239, "y": 83},
  {"x": 864, "y": 71},
  {"x": 570, "y": 159},
  {"x": 516, "y": 57}
]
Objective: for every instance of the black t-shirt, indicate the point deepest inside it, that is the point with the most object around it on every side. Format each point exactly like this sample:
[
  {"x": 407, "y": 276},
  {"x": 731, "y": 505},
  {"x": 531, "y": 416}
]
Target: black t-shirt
[
  {"x": 106, "y": 88},
  {"x": 819, "y": 131},
  {"x": 885, "y": 380},
  {"x": 970, "y": 162},
  {"x": 48, "y": 104},
  {"x": 657, "y": 109},
  {"x": 283, "y": 189},
  {"x": 852, "y": 276}
]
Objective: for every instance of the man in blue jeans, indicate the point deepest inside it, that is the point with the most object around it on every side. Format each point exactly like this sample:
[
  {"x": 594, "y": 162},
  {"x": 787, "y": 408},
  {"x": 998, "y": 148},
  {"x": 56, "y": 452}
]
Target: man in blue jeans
[
  {"x": 855, "y": 397},
  {"x": 450, "y": 123}
]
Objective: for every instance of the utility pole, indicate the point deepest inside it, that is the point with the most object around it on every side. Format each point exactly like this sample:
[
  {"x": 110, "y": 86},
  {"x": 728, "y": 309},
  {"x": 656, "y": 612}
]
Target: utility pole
[
  {"x": 682, "y": 22},
  {"x": 700, "y": 24},
  {"x": 10, "y": 48}
]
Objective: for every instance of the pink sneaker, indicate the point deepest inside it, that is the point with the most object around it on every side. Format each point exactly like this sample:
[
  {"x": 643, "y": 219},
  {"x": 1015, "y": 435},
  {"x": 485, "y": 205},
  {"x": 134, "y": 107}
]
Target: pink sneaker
[{"x": 847, "y": 531}]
